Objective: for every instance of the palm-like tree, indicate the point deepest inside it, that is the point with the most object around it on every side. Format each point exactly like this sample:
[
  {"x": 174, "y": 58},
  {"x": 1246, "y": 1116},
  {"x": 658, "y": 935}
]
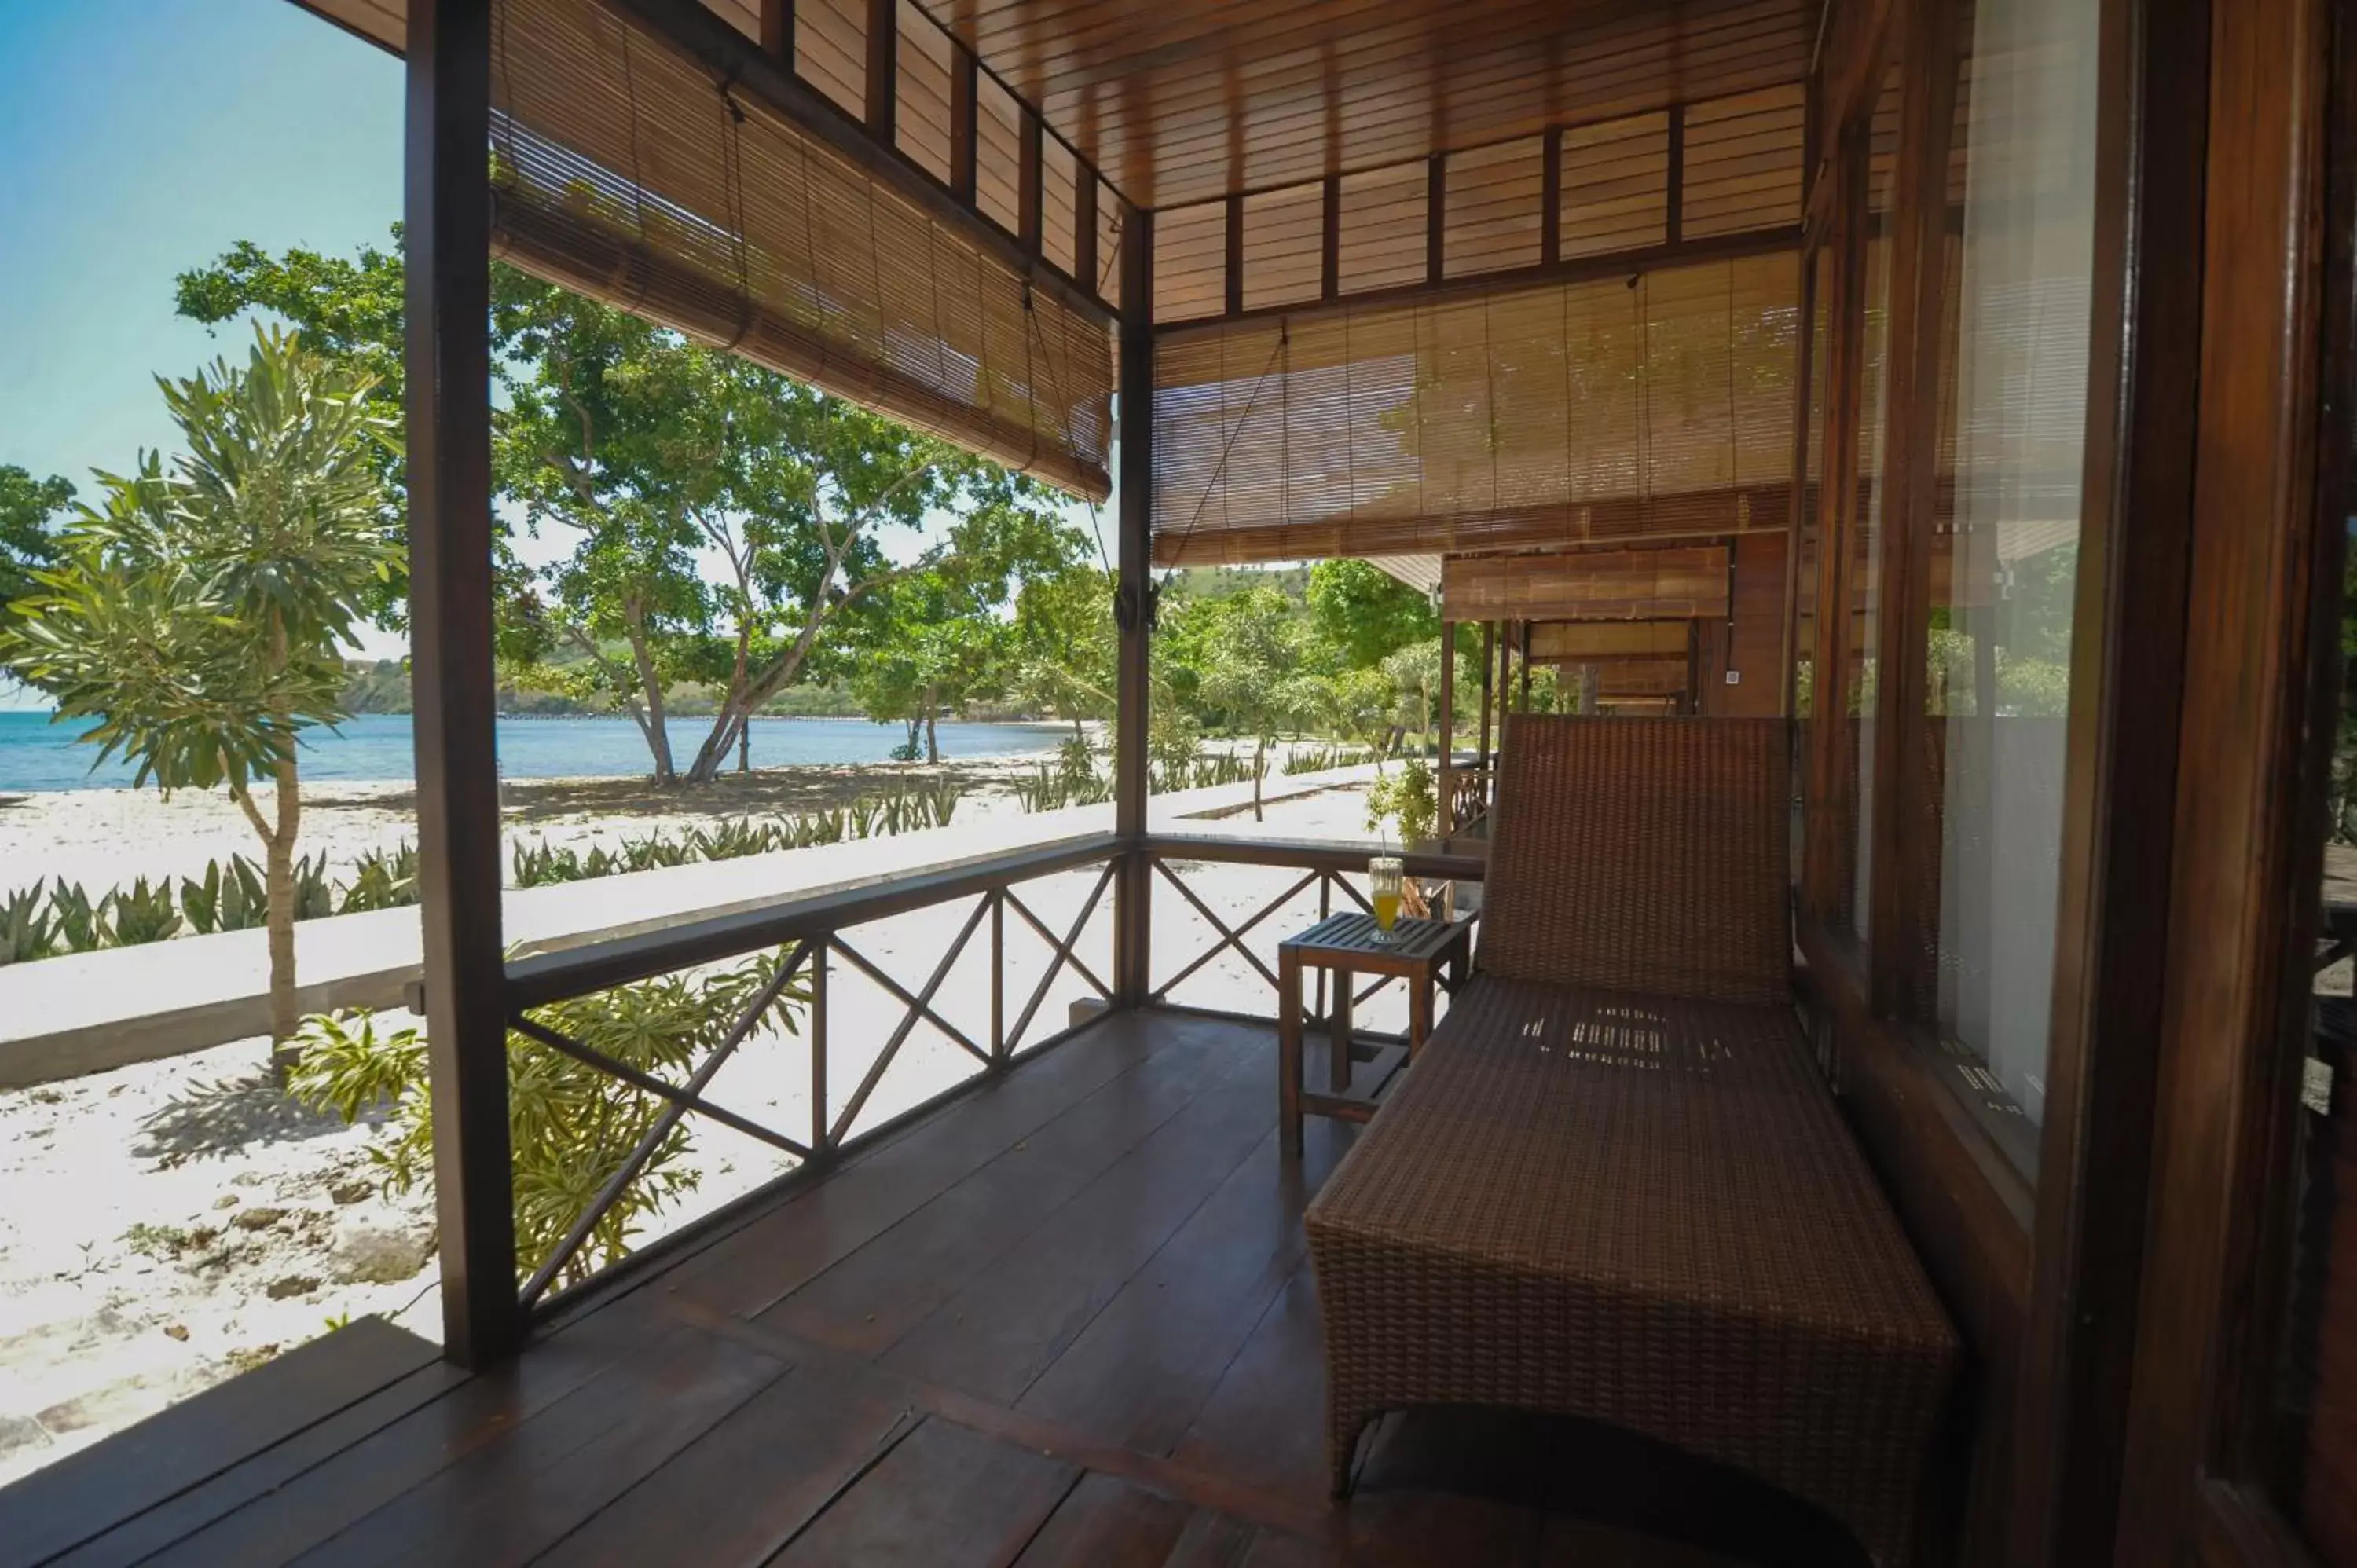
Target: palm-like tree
[{"x": 199, "y": 611}]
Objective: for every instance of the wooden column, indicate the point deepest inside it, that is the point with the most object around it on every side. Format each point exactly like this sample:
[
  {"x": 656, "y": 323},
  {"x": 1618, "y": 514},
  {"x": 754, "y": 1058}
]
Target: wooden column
[
  {"x": 448, "y": 209},
  {"x": 1446, "y": 784},
  {"x": 1133, "y": 885},
  {"x": 1488, "y": 680}
]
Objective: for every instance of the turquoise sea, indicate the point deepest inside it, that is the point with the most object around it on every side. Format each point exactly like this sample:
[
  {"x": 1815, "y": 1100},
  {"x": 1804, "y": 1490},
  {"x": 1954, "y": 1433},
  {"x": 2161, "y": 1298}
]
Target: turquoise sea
[{"x": 37, "y": 755}]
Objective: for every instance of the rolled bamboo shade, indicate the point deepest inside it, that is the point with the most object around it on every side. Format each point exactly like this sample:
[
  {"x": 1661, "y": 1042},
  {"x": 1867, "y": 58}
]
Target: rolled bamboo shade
[
  {"x": 1543, "y": 413},
  {"x": 1638, "y": 585},
  {"x": 624, "y": 171}
]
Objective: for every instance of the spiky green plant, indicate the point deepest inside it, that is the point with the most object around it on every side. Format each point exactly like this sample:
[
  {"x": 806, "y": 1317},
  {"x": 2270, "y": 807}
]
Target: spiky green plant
[
  {"x": 571, "y": 1126},
  {"x": 143, "y": 915},
  {"x": 27, "y": 930}
]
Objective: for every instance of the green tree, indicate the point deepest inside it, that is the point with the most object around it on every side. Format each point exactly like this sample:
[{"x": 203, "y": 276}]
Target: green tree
[
  {"x": 1251, "y": 670},
  {"x": 1365, "y": 614},
  {"x": 1065, "y": 645},
  {"x": 198, "y": 612},
  {"x": 29, "y": 541},
  {"x": 725, "y": 524}
]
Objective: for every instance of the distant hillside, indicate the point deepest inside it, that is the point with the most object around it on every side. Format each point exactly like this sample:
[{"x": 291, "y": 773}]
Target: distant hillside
[{"x": 383, "y": 687}]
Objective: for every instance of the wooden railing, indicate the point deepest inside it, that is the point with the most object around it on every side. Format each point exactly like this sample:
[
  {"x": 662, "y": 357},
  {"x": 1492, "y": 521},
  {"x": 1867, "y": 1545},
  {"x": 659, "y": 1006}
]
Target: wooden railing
[
  {"x": 1326, "y": 868},
  {"x": 808, "y": 935}
]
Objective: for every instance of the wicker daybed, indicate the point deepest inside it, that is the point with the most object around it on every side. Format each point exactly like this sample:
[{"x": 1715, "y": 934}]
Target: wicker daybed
[{"x": 1614, "y": 1184}]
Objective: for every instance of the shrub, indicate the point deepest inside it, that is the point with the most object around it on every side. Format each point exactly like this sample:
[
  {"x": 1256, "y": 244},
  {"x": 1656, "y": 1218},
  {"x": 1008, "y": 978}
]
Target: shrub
[
  {"x": 26, "y": 930},
  {"x": 143, "y": 915},
  {"x": 571, "y": 1126}
]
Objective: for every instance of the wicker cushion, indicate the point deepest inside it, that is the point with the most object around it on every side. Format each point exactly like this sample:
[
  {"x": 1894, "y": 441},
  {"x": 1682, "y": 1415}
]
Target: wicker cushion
[
  {"x": 1638, "y": 1211},
  {"x": 1643, "y": 855}
]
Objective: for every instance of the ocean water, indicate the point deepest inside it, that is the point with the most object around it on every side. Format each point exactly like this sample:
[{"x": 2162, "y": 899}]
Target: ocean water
[{"x": 37, "y": 755}]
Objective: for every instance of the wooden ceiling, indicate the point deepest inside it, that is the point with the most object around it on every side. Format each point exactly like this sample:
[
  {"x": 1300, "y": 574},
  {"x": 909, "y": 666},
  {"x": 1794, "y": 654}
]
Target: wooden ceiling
[
  {"x": 1176, "y": 101},
  {"x": 1181, "y": 100}
]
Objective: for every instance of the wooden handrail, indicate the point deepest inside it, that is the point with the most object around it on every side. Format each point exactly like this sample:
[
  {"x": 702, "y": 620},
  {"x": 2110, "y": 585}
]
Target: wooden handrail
[
  {"x": 1314, "y": 855},
  {"x": 578, "y": 972}
]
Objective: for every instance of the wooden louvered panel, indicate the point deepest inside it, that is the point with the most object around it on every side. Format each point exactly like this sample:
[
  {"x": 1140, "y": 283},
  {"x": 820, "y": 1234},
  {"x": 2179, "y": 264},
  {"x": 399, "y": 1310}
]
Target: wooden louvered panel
[
  {"x": 999, "y": 155},
  {"x": 1616, "y": 185},
  {"x": 1108, "y": 278},
  {"x": 1547, "y": 412},
  {"x": 1058, "y": 205},
  {"x": 831, "y": 50},
  {"x": 1494, "y": 214},
  {"x": 1285, "y": 242},
  {"x": 621, "y": 173},
  {"x": 920, "y": 124},
  {"x": 1190, "y": 262},
  {"x": 1743, "y": 161},
  {"x": 1643, "y": 584},
  {"x": 1382, "y": 227}
]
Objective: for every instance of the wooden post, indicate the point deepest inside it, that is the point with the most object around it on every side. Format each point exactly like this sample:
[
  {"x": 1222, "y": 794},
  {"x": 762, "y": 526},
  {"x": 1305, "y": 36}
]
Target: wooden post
[
  {"x": 1132, "y": 890},
  {"x": 1447, "y": 818},
  {"x": 446, "y": 207},
  {"x": 1488, "y": 680}
]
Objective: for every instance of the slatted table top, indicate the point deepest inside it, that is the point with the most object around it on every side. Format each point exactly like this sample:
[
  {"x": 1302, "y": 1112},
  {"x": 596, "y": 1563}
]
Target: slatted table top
[{"x": 1348, "y": 939}]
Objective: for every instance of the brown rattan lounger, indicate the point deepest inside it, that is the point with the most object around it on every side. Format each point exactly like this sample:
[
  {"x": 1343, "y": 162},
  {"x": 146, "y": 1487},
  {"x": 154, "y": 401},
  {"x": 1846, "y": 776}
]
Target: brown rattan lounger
[{"x": 1614, "y": 1186}]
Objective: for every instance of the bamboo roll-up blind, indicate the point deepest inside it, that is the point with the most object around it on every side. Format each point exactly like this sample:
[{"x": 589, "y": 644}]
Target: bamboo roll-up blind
[
  {"x": 1553, "y": 412},
  {"x": 624, "y": 171}
]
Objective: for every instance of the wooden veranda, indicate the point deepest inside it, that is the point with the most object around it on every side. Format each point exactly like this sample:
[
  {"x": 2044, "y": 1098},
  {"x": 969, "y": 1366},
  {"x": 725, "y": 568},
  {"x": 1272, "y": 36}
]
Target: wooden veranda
[{"x": 1951, "y": 392}]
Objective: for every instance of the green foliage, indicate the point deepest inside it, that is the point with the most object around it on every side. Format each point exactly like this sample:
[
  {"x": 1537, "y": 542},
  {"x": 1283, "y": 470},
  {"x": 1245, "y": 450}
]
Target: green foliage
[
  {"x": 1365, "y": 614},
  {"x": 382, "y": 881},
  {"x": 571, "y": 1126},
  {"x": 724, "y": 525},
  {"x": 930, "y": 803},
  {"x": 232, "y": 902},
  {"x": 142, "y": 914},
  {"x": 28, "y": 930},
  {"x": 197, "y": 614},
  {"x": 1324, "y": 758},
  {"x": 1403, "y": 803},
  {"x": 82, "y": 925},
  {"x": 29, "y": 510}
]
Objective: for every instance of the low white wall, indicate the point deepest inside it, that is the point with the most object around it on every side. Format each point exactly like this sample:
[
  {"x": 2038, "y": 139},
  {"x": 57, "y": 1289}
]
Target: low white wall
[{"x": 62, "y": 1017}]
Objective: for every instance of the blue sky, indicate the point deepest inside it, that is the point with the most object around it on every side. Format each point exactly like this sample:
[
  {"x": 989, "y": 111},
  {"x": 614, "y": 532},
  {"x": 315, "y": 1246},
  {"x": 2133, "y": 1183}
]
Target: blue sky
[{"x": 139, "y": 139}]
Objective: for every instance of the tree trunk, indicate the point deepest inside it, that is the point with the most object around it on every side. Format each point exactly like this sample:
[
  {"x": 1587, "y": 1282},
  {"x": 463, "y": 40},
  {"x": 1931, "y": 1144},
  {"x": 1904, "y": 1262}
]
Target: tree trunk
[
  {"x": 1591, "y": 688},
  {"x": 1260, "y": 768},
  {"x": 743, "y": 748},
  {"x": 279, "y": 861},
  {"x": 651, "y": 683},
  {"x": 932, "y": 740}
]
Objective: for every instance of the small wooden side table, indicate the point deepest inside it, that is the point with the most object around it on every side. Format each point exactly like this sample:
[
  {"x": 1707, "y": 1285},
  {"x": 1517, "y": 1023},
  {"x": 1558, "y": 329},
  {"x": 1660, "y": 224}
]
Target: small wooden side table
[{"x": 1348, "y": 944}]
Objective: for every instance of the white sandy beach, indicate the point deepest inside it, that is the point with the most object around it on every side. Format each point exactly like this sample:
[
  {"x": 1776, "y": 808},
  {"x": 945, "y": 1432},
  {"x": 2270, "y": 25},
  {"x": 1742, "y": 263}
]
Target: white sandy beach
[{"x": 175, "y": 1221}]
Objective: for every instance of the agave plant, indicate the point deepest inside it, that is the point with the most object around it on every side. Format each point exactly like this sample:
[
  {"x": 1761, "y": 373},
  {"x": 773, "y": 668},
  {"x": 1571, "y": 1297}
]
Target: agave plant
[
  {"x": 314, "y": 897},
  {"x": 544, "y": 864},
  {"x": 382, "y": 881},
  {"x": 82, "y": 925},
  {"x": 27, "y": 930},
  {"x": 143, "y": 915}
]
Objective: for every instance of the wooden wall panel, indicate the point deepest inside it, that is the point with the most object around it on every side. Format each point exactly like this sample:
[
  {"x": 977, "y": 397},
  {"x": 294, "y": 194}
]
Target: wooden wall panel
[{"x": 831, "y": 50}]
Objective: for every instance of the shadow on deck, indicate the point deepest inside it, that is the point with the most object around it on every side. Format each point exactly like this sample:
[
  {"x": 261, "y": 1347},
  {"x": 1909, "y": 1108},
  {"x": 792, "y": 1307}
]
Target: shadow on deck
[{"x": 1067, "y": 1319}]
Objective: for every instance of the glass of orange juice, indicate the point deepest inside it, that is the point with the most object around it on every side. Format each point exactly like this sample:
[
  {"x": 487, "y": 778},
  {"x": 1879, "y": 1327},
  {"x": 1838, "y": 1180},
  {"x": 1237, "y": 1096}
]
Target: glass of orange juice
[{"x": 1384, "y": 874}]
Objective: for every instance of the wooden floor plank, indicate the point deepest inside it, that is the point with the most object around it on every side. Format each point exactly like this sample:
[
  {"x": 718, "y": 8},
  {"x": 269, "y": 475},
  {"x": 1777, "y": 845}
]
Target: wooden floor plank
[
  {"x": 1142, "y": 1371},
  {"x": 943, "y": 1498},
  {"x": 139, "y": 1538},
  {"x": 1211, "y": 1540},
  {"x": 1104, "y": 1522},
  {"x": 1005, "y": 1328},
  {"x": 1266, "y": 1418},
  {"x": 753, "y": 1269},
  {"x": 88, "y": 1493},
  {"x": 750, "y": 1484},
  {"x": 532, "y": 1484},
  {"x": 871, "y": 1298},
  {"x": 293, "y": 1517}
]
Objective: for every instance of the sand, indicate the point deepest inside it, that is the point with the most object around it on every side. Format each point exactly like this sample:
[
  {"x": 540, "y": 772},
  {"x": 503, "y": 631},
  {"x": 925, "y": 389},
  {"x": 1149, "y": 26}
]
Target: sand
[{"x": 172, "y": 1223}]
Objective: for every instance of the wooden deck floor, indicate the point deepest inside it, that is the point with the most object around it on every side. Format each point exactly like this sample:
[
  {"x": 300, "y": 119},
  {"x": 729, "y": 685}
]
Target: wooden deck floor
[{"x": 1069, "y": 1319}]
